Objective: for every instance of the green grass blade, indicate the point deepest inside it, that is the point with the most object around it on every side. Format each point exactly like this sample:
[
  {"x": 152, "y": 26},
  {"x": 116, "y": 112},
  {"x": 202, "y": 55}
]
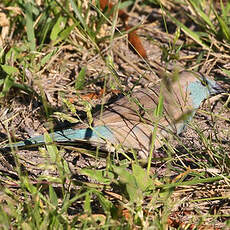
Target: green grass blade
[
  {"x": 79, "y": 16},
  {"x": 53, "y": 196},
  {"x": 8, "y": 83},
  {"x": 203, "y": 15},
  {"x": 80, "y": 80},
  {"x": 224, "y": 27},
  {"x": 58, "y": 27},
  {"x": 30, "y": 27},
  {"x": 193, "y": 35}
]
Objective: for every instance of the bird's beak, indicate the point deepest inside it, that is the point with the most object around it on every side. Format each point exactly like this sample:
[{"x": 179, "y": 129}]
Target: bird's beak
[{"x": 217, "y": 89}]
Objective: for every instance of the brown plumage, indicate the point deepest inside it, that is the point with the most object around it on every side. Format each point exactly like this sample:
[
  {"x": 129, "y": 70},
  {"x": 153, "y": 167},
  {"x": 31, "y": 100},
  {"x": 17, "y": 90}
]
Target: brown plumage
[{"x": 131, "y": 118}]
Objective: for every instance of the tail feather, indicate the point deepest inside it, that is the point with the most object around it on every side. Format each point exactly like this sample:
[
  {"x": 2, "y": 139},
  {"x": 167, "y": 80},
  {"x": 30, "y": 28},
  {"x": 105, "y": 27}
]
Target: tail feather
[{"x": 96, "y": 134}]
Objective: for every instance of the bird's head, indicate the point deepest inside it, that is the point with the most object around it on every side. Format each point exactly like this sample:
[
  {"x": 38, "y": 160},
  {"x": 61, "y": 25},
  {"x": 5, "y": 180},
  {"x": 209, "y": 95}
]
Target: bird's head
[{"x": 198, "y": 87}]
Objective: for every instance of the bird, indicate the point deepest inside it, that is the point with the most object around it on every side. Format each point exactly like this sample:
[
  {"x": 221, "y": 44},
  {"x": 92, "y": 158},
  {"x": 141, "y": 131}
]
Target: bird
[{"x": 130, "y": 121}]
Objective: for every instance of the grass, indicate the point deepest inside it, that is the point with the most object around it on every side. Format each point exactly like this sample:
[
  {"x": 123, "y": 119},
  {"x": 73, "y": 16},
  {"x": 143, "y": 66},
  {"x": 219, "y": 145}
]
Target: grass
[{"x": 58, "y": 60}]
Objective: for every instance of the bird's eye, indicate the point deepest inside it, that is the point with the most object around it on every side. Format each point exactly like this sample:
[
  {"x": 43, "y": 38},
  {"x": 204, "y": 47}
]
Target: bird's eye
[{"x": 204, "y": 82}]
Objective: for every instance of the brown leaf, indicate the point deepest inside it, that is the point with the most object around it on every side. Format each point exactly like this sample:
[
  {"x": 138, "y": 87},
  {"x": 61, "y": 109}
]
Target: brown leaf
[{"x": 134, "y": 39}]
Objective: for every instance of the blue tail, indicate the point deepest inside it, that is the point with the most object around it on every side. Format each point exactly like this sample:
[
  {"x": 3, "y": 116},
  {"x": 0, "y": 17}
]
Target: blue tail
[{"x": 97, "y": 134}]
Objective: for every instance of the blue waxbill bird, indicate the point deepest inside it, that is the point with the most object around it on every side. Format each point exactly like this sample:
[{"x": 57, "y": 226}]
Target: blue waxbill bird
[{"x": 130, "y": 121}]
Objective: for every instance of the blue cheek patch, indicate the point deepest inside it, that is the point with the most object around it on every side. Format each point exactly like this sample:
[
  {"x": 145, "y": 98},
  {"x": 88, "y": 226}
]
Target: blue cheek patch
[{"x": 198, "y": 93}]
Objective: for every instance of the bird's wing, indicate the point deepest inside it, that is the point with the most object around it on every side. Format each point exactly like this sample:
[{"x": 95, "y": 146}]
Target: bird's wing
[{"x": 132, "y": 121}]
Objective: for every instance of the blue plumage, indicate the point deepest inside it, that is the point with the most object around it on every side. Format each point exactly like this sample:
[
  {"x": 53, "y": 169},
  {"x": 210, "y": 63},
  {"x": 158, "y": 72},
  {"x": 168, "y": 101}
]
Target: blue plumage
[
  {"x": 202, "y": 90},
  {"x": 70, "y": 135}
]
